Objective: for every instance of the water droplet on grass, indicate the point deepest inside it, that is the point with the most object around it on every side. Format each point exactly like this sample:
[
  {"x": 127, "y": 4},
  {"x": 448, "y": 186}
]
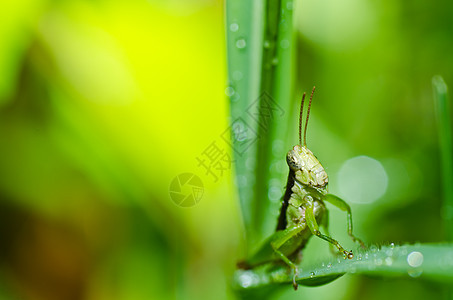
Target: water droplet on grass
[
  {"x": 388, "y": 261},
  {"x": 229, "y": 91},
  {"x": 289, "y": 5},
  {"x": 241, "y": 180},
  {"x": 284, "y": 44},
  {"x": 415, "y": 259},
  {"x": 234, "y": 27},
  {"x": 247, "y": 279},
  {"x": 237, "y": 75},
  {"x": 414, "y": 273},
  {"x": 241, "y": 43},
  {"x": 378, "y": 261},
  {"x": 389, "y": 252},
  {"x": 403, "y": 250}
]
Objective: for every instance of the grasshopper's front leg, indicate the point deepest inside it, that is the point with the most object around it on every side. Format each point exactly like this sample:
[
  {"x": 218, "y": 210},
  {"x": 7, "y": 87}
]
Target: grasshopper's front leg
[
  {"x": 314, "y": 228},
  {"x": 341, "y": 204},
  {"x": 284, "y": 238}
]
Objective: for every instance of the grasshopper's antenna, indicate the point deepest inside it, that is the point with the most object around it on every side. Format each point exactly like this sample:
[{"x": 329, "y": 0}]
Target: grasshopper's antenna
[
  {"x": 300, "y": 119},
  {"x": 308, "y": 115}
]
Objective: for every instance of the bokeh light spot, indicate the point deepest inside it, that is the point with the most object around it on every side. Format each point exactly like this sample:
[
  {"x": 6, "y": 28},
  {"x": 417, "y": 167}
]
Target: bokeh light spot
[{"x": 362, "y": 179}]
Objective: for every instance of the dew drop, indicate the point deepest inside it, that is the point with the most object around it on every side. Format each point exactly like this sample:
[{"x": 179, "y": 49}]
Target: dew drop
[
  {"x": 392, "y": 245},
  {"x": 312, "y": 274},
  {"x": 404, "y": 250},
  {"x": 278, "y": 148},
  {"x": 246, "y": 279},
  {"x": 250, "y": 163},
  {"x": 229, "y": 91},
  {"x": 241, "y": 180},
  {"x": 414, "y": 273},
  {"x": 388, "y": 261},
  {"x": 378, "y": 261},
  {"x": 241, "y": 43},
  {"x": 329, "y": 265},
  {"x": 237, "y": 75},
  {"x": 415, "y": 259},
  {"x": 239, "y": 131},
  {"x": 373, "y": 248},
  {"x": 277, "y": 167},
  {"x": 359, "y": 257},
  {"x": 235, "y": 97},
  {"x": 389, "y": 252},
  {"x": 234, "y": 27},
  {"x": 284, "y": 44},
  {"x": 289, "y": 5},
  {"x": 274, "y": 193}
]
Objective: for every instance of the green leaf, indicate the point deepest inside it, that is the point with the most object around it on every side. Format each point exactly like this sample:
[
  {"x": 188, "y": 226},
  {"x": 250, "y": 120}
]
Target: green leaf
[
  {"x": 259, "y": 43},
  {"x": 426, "y": 261},
  {"x": 444, "y": 128}
]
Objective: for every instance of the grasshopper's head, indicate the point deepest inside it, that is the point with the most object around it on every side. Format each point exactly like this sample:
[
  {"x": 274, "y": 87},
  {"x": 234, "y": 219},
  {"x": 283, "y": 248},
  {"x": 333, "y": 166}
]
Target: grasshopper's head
[{"x": 307, "y": 168}]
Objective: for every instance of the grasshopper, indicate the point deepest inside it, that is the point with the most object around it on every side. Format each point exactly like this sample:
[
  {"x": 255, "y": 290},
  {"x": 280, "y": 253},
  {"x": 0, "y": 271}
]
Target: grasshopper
[{"x": 302, "y": 209}]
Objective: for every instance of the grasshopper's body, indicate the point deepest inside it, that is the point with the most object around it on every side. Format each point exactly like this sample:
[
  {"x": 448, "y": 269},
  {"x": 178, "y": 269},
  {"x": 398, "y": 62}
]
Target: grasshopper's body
[{"x": 302, "y": 209}]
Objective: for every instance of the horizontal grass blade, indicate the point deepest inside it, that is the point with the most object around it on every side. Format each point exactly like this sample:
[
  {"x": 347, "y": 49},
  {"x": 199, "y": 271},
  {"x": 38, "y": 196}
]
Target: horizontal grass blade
[{"x": 425, "y": 261}]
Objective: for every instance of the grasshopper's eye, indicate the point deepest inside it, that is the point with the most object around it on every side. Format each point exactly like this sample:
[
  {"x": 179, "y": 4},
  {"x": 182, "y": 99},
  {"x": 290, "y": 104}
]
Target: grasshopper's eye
[{"x": 290, "y": 159}]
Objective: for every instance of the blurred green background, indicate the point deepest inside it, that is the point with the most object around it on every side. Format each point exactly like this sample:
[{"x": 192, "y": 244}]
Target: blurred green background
[{"x": 104, "y": 103}]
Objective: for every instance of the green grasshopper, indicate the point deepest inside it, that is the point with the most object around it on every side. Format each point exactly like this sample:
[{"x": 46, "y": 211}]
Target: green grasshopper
[{"x": 302, "y": 209}]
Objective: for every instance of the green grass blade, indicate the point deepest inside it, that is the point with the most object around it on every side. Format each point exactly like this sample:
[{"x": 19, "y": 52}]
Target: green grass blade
[
  {"x": 426, "y": 261},
  {"x": 259, "y": 39},
  {"x": 244, "y": 47},
  {"x": 443, "y": 111},
  {"x": 277, "y": 83}
]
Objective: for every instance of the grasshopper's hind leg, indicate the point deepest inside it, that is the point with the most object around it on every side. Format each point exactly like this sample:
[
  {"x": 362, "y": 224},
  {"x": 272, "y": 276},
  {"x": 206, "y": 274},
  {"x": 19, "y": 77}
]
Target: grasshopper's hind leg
[
  {"x": 291, "y": 265},
  {"x": 314, "y": 228},
  {"x": 341, "y": 204},
  {"x": 281, "y": 238}
]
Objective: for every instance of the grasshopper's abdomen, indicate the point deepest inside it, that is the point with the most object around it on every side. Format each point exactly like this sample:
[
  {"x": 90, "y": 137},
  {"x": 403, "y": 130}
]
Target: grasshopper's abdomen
[{"x": 297, "y": 204}]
